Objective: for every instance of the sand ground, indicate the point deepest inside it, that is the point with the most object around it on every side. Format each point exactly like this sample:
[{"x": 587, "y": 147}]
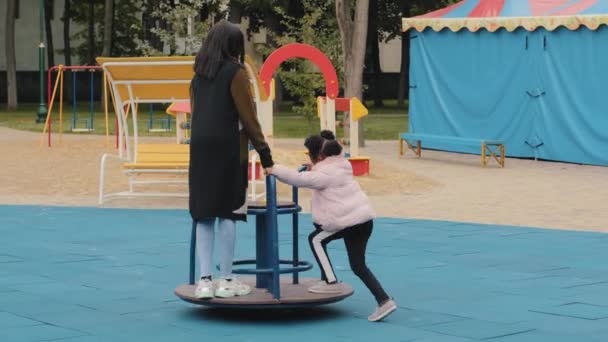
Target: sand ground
[{"x": 440, "y": 186}]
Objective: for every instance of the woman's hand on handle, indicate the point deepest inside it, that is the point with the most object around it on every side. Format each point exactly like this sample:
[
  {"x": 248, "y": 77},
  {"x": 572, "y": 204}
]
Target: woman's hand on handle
[{"x": 267, "y": 171}]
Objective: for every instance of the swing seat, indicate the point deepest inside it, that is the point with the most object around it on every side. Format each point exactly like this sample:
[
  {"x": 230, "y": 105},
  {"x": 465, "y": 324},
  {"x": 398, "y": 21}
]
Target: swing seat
[
  {"x": 88, "y": 126},
  {"x": 165, "y": 126}
]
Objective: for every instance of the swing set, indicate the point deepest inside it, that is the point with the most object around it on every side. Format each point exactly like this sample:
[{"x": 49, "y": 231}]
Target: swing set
[
  {"x": 78, "y": 123},
  {"x": 85, "y": 122}
]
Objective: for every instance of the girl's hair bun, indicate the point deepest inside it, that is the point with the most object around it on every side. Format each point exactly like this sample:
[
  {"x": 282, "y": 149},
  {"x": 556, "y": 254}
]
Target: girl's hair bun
[{"x": 327, "y": 134}]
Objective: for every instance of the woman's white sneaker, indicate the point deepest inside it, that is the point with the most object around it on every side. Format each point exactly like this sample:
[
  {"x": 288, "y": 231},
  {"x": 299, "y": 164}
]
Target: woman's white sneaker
[
  {"x": 239, "y": 288},
  {"x": 383, "y": 311},
  {"x": 224, "y": 289},
  {"x": 230, "y": 288},
  {"x": 204, "y": 289}
]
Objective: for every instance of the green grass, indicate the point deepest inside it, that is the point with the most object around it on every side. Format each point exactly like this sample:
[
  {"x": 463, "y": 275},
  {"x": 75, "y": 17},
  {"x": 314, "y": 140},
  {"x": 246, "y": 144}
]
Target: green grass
[
  {"x": 390, "y": 108},
  {"x": 381, "y": 124},
  {"x": 377, "y": 127},
  {"x": 24, "y": 119}
]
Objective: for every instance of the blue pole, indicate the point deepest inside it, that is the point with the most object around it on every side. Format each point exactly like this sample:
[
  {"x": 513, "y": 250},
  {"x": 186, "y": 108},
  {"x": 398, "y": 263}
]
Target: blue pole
[
  {"x": 296, "y": 223},
  {"x": 92, "y": 104},
  {"x": 273, "y": 232},
  {"x": 73, "y": 99},
  {"x": 262, "y": 251}
]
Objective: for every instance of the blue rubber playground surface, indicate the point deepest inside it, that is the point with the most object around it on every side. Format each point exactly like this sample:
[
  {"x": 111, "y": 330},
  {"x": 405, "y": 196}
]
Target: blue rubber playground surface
[{"x": 89, "y": 274}]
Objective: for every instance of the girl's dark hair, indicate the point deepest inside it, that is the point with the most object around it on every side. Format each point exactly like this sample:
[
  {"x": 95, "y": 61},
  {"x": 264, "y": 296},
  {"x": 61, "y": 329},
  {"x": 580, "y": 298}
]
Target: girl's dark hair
[
  {"x": 323, "y": 144},
  {"x": 332, "y": 148},
  {"x": 224, "y": 42},
  {"x": 314, "y": 143},
  {"x": 327, "y": 134}
]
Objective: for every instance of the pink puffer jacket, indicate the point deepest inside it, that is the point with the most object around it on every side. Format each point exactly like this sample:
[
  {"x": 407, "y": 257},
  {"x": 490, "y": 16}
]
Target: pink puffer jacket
[{"x": 337, "y": 199}]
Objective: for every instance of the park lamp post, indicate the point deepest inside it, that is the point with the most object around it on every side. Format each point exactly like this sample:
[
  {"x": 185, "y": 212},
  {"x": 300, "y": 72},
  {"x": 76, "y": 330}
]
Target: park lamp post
[{"x": 42, "y": 110}]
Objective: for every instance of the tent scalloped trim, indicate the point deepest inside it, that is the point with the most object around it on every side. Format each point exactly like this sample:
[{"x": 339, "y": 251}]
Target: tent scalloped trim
[{"x": 592, "y": 22}]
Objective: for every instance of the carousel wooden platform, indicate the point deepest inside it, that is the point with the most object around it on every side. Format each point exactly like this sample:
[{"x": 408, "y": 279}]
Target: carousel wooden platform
[{"x": 292, "y": 296}]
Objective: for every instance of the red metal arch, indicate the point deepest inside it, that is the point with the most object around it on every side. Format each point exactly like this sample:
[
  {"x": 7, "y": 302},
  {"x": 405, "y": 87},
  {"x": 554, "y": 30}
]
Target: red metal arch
[{"x": 301, "y": 51}]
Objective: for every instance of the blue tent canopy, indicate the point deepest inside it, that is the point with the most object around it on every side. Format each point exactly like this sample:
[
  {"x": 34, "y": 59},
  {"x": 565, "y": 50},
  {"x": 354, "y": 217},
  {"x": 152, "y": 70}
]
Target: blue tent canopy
[{"x": 530, "y": 75}]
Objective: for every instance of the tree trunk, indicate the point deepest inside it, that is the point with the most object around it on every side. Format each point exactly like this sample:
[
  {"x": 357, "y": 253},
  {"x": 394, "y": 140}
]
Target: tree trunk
[
  {"x": 272, "y": 21},
  {"x": 108, "y": 19},
  {"x": 91, "y": 60},
  {"x": 11, "y": 60},
  {"x": 377, "y": 74},
  {"x": 50, "y": 50},
  {"x": 149, "y": 23},
  {"x": 404, "y": 72},
  {"x": 353, "y": 35},
  {"x": 236, "y": 11},
  {"x": 67, "y": 49},
  {"x": 373, "y": 58}
]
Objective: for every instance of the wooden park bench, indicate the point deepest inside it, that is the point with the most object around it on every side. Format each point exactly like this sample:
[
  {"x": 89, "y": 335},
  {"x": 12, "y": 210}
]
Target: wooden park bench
[
  {"x": 490, "y": 149},
  {"x": 151, "y": 159}
]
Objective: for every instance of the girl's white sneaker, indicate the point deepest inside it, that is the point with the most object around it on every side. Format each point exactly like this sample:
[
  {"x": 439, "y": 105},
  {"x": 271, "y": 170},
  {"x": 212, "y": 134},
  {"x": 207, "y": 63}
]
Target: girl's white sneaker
[
  {"x": 325, "y": 288},
  {"x": 383, "y": 311}
]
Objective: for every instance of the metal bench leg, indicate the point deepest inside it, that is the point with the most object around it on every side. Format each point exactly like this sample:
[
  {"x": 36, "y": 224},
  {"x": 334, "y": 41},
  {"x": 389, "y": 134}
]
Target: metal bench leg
[
  {"x": 496, "y": 151},
  {"x": 496, "y": 156},
  {"x": 192, "y": 252},
  {"x": 131, "y": 183},
  {"x": 102, "y": 177},
  {"x": 483, "y": 155},
  {"x": 416, "y": 149}
]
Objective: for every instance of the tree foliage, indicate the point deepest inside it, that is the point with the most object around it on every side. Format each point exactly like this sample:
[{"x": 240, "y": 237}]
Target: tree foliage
[
  {"x": 163, "y": 27},
  {"x": 184, "y": 26},
  {"x": 390, "y": 13},
  {"x": 126, "y": 28},
  {"x": 318, "y": 27}
]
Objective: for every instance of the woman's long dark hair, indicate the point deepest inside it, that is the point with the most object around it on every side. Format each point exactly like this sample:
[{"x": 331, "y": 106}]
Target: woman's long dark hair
[{"x": 224, "y": 42}]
